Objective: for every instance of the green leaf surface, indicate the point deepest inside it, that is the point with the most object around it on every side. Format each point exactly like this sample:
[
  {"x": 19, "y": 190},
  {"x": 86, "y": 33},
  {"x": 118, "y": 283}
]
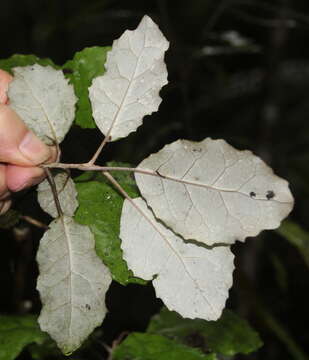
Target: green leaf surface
[
  {"x": 229, "y": 335},
  {"x": 297, "y": 236},
  {"x": 16, "y": 332},
  {"x": 139, "y": 346},
  {"x": 24, "y": 60},
  {"x": 100, "y": 208},
  {"x": 81, "y": 70}
]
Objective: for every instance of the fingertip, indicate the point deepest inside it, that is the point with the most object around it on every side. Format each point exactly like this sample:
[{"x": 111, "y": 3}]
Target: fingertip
[
  {"x": 19, "y": 178},
  {"x": 34, "y": 149},
  {"x": 19, "y": 145}
]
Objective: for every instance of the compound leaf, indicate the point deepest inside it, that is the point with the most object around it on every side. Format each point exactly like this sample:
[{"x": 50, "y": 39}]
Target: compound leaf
[
  {"x": 153, "y": 347},
  {"x": 66, "y": 194},
  {"x": 44, "y": 100},
  {"x": 72, "y": 283},
  {"x": 135, "y": 73},
  {"x": 212, "y": 193},
  {"x": 190, "y": 279},
  {"x": 81, "y": 70},
  {"x": 16, "y": 332},
  {"x": 230, "y": 335}
]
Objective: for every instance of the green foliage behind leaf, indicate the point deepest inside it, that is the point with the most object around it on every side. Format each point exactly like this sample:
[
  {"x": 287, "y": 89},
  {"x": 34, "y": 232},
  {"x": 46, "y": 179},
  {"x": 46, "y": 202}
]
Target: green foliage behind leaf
[
  {"x": 230, "y": 335},
  {"x": 23, "y": 60},
  {"x": 16, "y": 332},
  {"x": 81, "y": 70},
  {"x": 139, "y": 346},
  {"x": 100, "y": 208}
]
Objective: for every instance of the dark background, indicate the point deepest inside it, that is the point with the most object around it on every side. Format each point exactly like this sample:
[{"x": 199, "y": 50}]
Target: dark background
[{"x": 254, "y": 95}]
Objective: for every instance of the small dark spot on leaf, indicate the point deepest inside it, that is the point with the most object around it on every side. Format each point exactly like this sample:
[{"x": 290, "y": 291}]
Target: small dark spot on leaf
[
  {"x": 88, "y": 307},
  {"x": 270, "y": 194},
  {"x": 252, "y": 194},
  {"x": 197, "y": 150},
  {"x": 67, "y": 71}
]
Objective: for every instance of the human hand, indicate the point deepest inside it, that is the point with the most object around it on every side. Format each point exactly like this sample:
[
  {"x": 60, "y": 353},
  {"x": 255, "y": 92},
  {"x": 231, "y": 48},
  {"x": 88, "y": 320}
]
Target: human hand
[{"x": 20, "y": 151}]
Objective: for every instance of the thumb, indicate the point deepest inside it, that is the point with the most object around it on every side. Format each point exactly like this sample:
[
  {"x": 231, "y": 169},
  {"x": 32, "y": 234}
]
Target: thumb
[
  {"x": 5, "y": 79},
  {"x": 19, "y": 145}
]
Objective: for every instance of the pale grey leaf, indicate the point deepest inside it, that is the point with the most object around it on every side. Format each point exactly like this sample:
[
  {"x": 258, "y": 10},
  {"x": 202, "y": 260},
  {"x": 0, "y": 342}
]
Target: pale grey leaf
[
  {"x": 212, "y": 193},
  {"x": 44, "y": 100},
  {"x": 67, "y": 195},
  {"x": 129, "y": 89},
  {"x": 190, "y": 279},
  {"x": 72, "y": 283}
]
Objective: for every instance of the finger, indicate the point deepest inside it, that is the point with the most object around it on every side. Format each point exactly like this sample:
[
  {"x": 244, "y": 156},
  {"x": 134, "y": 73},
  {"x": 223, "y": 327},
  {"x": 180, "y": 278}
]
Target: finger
[
  {"x": 3, "y": 186},
  {"x": 5, "y": 79},
  {"x": 4, "y": 206},
  {"x": 19, "y": 145},
  {"x": 18, "y": 177}
]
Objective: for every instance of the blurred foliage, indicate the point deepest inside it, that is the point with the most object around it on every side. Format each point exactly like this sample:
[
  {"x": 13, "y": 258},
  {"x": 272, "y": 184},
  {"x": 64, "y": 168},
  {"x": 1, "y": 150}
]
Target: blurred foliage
[
  {"x": 297, "y": 236},
  {"x": 9, "y": 219},
  {"x": 17, "y": 332},
  {"x": 230, "y": 335},
  {"x": 152, "y": 347}
]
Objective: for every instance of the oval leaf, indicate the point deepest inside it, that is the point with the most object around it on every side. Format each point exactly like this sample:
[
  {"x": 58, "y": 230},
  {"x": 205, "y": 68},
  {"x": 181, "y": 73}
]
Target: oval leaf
[
  {"x": 135, "y": 73},
  {"x": 190, "y": 279},
  {"x": 44, "y": 100},
  {"x": 84, "y": 66},
  {"x": 72, "y": 283},
  {"x": 67, "y": 195},
  {"x": 212, "y": 193}
]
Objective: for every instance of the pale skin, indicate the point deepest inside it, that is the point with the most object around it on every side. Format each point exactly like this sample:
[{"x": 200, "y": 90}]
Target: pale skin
[{"x": 21, "y": 152}]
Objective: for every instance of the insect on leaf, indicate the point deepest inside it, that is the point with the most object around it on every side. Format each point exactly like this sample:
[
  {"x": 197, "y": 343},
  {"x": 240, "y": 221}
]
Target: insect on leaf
[
  {"x": 212, "y": 193},
  {"x": 190, "y": 279},
  {"x": 44, "y": 100},
  {"x": 72, "y": 283},
  {"x": 135, "y": 73},
  {"x": 67, "y": 195}
]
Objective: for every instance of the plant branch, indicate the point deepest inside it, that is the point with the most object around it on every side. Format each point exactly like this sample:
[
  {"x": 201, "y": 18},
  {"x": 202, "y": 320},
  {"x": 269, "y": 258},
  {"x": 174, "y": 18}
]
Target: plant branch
[
  {"x": 104, "y": 169},
  {"x": 34, "y": 222},
  {"x": 54, "y": 191},
  {"x": 118, "y": 186},
  {"x": 98, "y": 152},
  {"x": 126, "y": 195}
]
